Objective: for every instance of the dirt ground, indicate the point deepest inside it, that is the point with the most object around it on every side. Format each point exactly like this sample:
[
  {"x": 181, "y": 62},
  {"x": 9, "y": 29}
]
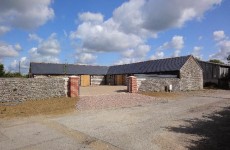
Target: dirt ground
[
  {"x": 187, "y": 120},
  {"x": 38, "y": 107}
]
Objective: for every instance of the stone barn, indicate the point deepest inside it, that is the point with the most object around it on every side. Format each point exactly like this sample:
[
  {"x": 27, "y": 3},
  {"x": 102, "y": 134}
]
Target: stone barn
[
  {"x": 217, "y": 74},
  {"x": 89, "y": 75},
  {"x": 183, "y": 73}
]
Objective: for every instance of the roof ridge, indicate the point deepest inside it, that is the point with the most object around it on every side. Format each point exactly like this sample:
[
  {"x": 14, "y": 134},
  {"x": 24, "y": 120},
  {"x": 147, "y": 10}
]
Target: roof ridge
[{"x": 67, "y": 64}]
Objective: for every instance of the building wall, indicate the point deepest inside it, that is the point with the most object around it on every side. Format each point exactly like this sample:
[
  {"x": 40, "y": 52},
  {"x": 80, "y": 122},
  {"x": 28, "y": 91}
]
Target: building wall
[
  {"x": 191, "y": 76},
  {"x": 20, "y": 89},
  {"x": 110, "y": 80},
  {"x": 158, "y": 84},
  {"x": 98, "y": 80}
]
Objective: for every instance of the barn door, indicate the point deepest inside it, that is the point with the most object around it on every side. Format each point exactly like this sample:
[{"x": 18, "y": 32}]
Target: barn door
[
  {"x": 119, "y": 80},
  {"x": 85, "y": 80}
]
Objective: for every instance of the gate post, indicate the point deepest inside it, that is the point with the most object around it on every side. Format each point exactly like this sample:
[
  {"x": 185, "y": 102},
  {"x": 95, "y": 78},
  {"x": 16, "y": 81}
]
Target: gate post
[
  {"x": 132, "y": 85},
  {"x": 74, "y": 86}
]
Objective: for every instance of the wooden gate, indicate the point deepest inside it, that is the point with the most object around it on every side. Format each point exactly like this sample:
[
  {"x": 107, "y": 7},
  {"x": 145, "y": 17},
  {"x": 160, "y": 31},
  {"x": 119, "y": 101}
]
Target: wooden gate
[
  {"x": 85, "y": 80},
  {"x": 119, "y": 80}
]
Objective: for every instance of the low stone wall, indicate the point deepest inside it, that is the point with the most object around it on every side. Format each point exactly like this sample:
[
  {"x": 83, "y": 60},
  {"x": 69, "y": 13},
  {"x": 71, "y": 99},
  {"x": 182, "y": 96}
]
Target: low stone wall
[
  {"x": 20, "y": 89},
  {"x": 159, "y": 84},
  {"x": 97, "y": 80},
  {"x": 139, "y": 81}
]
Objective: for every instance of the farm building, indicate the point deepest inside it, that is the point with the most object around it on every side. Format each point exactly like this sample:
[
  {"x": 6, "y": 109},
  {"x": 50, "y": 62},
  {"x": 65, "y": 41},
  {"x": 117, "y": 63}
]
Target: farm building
[
  {"x": 90, "y": 75},
  {"x": 185, "y": 71},
  {"x": 218, "y": 74}
]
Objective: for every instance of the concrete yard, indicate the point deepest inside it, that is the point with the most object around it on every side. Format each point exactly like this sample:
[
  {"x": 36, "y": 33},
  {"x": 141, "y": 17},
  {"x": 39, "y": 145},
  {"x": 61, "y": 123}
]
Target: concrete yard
[{"x": 158, "y": 124}]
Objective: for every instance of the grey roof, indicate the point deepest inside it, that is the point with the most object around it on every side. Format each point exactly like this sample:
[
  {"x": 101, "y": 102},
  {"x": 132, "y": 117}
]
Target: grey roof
[
  {"x": 202, "y": 63},
  {"x": 151, "y": 66},
  {"x": 69, "y": 69}
]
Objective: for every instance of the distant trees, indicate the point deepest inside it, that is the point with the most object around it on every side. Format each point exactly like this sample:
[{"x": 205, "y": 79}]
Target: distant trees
[
  {"x": 228, "y": 58},
  {"x": 2, "y": 72},
  {"x": 217, "y": 61},
  {"x": 10, "y": 74}
]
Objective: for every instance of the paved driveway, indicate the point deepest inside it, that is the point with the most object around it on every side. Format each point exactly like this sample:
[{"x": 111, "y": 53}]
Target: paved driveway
[{"x": 138, "y": 127}]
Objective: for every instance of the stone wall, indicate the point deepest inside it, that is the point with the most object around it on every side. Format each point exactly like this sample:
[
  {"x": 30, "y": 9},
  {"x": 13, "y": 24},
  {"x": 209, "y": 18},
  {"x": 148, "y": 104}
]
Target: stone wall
[
  {"x": 20, "y": 89},
  {"x": 97, "y": 80},
  {"x": 159, "y": 84},
  {"x": 191, "y": 76},
  {"x": 139, "y": 81}
]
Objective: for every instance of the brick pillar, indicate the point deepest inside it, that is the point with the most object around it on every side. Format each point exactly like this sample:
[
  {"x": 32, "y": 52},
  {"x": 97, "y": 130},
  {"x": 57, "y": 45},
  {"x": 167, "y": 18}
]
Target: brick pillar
[
  {"x": 74, "y": 86},
  {"x": 132, "y": 85}
]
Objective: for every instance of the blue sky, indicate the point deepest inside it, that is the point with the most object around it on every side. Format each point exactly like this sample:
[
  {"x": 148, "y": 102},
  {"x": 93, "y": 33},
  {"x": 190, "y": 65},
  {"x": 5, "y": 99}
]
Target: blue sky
[{"x": 102, "y": 32}]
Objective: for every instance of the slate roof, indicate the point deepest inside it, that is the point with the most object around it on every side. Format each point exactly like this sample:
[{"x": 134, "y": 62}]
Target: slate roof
[
  {"x": 151, "y": 66},
  {"x": 68, "y": 69}
]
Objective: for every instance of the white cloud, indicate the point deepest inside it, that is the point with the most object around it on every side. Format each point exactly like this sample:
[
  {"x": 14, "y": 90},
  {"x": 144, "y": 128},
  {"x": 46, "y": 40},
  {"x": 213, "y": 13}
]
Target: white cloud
[
  {"x": 176, "y": 44},
  {"x": 91, "y": 17},
  {"x": 46, "y": 51},
  {"x": 25, "y": 14},
  {"x": 159, "y": 15},
  {"x": 158, "y": 55},
  {"x": 223, "y": 45},
  {"x": 219, "y": 35},
  {"x": 197, "y": 52},
  {"x": 50, "y": 46},
  {"x": 3, "y": 29},
  {"x": 133, "y": 23},
  {"x": 7, "y": 50},
  {"x": 223, "y": 51},
  {"x": 24, "y": 65},
  {"x": 86, "y": 58},
  {"x": 35, "y": 56},
  {"x": 35, "y": 37}
]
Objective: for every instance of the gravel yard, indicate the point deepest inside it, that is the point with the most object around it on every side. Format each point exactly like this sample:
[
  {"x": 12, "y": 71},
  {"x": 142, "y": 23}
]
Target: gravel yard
[{"x": 114, "y": 101}]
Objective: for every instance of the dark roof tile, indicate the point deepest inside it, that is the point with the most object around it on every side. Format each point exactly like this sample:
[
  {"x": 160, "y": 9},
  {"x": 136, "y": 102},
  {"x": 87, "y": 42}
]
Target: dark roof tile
[{"x": 151, "y": 66}]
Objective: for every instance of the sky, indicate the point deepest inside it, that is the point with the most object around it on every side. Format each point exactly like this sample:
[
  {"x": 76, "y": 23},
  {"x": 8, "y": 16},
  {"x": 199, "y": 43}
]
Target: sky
[{"x": 102, "y": 32}]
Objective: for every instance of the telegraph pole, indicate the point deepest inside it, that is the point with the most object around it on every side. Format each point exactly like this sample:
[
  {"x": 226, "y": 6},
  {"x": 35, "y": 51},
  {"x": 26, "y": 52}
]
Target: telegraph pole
[{"x": 19, "y": 67}]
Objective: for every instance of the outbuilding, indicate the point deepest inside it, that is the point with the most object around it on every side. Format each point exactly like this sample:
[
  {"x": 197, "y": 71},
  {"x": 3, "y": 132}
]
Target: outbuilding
[{"x": 185, "y": 72}]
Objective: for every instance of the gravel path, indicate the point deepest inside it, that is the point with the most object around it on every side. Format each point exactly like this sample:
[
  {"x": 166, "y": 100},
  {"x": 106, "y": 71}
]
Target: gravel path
[
  {"x": 114, "y": 100},
  {"x": 122, "y": 100}
]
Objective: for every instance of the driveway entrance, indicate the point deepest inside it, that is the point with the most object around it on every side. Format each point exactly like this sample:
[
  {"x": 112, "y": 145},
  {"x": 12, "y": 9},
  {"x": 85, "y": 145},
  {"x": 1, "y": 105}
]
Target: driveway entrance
[{"x": 102, "y": 90}]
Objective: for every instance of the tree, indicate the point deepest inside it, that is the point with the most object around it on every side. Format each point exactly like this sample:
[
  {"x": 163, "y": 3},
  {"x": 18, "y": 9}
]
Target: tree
[
  {"x": 2, "y": 72},
  {"x": 217, "y": 61}
]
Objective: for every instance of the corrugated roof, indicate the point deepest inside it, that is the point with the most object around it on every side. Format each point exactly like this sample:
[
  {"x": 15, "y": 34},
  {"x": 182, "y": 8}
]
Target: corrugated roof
[
  {"x": 69, "y": 69},
  {"x": 151, "y": 66},
  {"x": 211, "y": 63}
]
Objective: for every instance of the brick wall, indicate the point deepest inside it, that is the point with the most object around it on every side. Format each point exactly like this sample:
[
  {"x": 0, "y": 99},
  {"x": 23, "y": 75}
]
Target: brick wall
[
  {"x": 191, "y": 76},
  {"x": 20, "y": 89},
  {"x": 132, "y": 84}
]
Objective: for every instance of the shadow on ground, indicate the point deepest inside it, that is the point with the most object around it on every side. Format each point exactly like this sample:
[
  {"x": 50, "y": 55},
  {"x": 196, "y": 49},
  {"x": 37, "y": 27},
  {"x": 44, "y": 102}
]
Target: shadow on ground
[
  {"x": 121, "y": 91},
  {"x": 214, "y": 128}
]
